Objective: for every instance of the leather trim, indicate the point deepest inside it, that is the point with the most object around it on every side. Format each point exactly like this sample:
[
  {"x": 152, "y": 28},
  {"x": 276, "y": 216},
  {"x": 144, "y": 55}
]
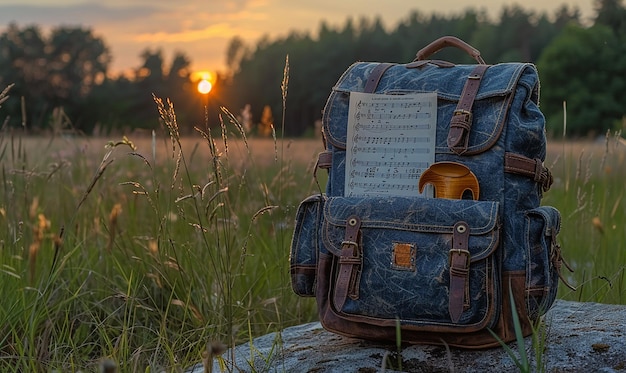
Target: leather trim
[
  {"x": 459, "y": 271},
  {"x": 461, "y": 122},
  {"x": 375, "y": 76},
  {"x": 349, "y": 264},
  {"x": 532, "y": 168},
  {"x": 325, "y": 160}
]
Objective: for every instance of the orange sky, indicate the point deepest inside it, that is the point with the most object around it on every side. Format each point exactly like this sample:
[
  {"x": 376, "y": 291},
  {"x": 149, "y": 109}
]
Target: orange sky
[{"x": 202, "y": 28}]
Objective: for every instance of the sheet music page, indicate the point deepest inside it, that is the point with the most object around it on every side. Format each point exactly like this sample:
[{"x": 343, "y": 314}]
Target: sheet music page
[{"x": 391, "y": 141}]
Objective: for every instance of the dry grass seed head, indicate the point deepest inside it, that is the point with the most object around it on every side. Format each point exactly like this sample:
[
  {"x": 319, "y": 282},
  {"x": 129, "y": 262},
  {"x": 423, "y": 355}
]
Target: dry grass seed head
[
  {"x": 43, "y": 225},
  {"x": 263, "y": 211},
  {"x": 199, "y": 227},
  {"x": 597, "y": 224},
  {"x": 179, "y": 158},
  {"x": 125, "y": 141},
  {"x": 34, "y": 206},
  {"x": 113, "y": 222},
  {"x": 579, "y": 165},
  {"x": 156, "y": 278},
  {"x": 168, "y": 116},
  {"x": 153, "y": 246},
  {"x": 171, "y": 263},
  {"x": 237, "y": 125},
  {"x": 33, "y": 249},
  {"x": 39, "y": 232},
  {"x": 285, "y": 83},
  {"x": 135, "y": 154},
  {"x": 4, "y": 95},
  {"x": 191, "y": 307}
]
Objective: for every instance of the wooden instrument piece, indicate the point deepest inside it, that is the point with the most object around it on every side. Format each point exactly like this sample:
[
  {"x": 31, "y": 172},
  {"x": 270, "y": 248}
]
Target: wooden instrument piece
[{"x": 450, "y": 180}]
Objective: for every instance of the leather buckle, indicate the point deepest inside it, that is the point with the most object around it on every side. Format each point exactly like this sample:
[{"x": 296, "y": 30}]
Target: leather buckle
[
  {"x": 539, "y": 175},
  {"x": 546, "y": 179},
  {"x": 466, "y": 119},
  {"x": 459, "y": 252},
  {"x": 460, "y": 125},
  {"x": 350, "y": 263},
  {"x": 355, "y": 258},
  {"x": 349, "y": 243}
]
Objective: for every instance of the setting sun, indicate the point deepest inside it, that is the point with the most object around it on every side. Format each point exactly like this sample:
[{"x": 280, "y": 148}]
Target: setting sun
[{"x": 204, "y": 86}]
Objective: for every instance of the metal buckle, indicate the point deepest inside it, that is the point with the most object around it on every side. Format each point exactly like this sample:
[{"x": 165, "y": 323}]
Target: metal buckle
[
  {"x": 460, "y": 252},
  {"x": 355, "y": 254},
  {"x": 467, "y": 115}
]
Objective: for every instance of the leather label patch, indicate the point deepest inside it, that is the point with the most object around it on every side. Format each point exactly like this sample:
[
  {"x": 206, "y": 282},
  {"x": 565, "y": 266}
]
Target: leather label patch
[{"x": 403, "y": 256}]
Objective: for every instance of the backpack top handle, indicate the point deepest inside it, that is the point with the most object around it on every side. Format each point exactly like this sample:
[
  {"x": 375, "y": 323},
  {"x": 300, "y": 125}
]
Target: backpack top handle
[{"x": 448, "y": 41}]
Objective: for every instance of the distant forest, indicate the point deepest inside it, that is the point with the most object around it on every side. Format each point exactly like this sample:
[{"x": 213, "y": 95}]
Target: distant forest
[{"x": 61, "y": 82}]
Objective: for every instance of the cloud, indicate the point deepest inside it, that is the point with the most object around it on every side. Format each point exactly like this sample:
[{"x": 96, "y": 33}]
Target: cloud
[
  {"x": 220, "y": 30},
  {"x": 128, "y": 27},
  {"x": 83, "y": 14}
]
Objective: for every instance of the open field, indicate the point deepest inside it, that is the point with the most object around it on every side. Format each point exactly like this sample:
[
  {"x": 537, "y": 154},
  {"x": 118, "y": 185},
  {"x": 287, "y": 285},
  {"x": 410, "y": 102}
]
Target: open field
[
  {"x": 156, "y": 252},
  {"x": 589, "y": 191}
]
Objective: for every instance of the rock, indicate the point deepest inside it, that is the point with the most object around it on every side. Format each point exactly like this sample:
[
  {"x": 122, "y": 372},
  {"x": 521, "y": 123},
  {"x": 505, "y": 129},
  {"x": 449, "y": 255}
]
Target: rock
[{"x": 580, "y": 337}]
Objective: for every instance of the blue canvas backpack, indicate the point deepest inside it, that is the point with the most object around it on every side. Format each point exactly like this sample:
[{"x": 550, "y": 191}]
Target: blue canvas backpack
[{"x": 434, "y": 269}]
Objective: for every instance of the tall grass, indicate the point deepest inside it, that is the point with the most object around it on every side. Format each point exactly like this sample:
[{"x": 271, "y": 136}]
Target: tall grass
[
  {"x": 152, "y": 254},
  {"x": 589, "y": 192}
]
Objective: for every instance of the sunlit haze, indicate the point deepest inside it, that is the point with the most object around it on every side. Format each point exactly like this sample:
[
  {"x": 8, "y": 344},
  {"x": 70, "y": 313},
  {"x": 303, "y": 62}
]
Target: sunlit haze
[
  {"x": 204, "y": 86},
  {"x": 202, "y": 29}
]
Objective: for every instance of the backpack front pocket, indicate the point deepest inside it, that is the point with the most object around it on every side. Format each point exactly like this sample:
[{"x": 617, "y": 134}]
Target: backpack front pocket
[{"x": 428, "y": 263}]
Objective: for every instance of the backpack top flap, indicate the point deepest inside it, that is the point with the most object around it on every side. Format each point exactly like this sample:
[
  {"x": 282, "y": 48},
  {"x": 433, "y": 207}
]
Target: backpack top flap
[{"x": 499, "y": 84}]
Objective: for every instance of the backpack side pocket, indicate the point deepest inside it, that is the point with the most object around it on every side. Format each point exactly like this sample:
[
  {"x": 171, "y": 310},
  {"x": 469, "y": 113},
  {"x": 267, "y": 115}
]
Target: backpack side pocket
[
  {"x": 305, "y": 245},
  {"x": 543, "y": 259}
]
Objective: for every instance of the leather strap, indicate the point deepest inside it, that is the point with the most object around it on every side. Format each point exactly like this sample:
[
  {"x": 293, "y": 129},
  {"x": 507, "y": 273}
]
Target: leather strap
[
  {"x": 461, "y": 121},
  {"x": 558, "y": 262},
  {"x": 532, "y": 168},
  {"x": 459, "y": 271},
  {"x": 448, "y": 41},
  {"x": 350, "y": 263},
  {"x": 325, "y": 160},
  {"x": 375, "y": 76}
]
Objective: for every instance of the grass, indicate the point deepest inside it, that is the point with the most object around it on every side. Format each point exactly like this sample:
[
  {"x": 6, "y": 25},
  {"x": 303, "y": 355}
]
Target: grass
[
  {"x": 589, "y": 192},
  {"x": 154, "y": 253},
  {"x": 157, "y": 252}
]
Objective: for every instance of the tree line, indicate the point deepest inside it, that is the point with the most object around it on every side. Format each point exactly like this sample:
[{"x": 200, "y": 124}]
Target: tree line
[{"x": 62, "y": 81}]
